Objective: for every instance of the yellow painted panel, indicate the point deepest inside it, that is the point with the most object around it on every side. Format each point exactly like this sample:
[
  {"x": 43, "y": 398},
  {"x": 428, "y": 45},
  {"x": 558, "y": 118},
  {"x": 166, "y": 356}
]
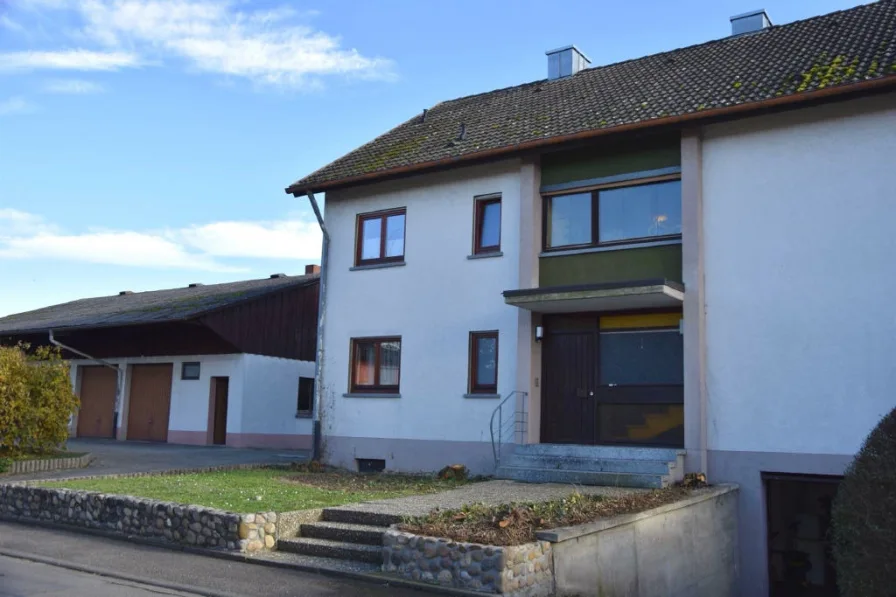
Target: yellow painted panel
[{"x": 640, "y": 320}]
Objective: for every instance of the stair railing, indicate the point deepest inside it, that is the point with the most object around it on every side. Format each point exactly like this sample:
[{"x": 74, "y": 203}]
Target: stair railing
[{"x": 509, "y": 422}]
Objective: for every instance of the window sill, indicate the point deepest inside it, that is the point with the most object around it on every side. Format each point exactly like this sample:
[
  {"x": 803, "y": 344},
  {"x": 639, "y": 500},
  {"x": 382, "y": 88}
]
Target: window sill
[
  {"x": 482, "y": 396},
  {"x": 622, "y": 247},
  {"x": 376, "y": 266},
  {"x": 486, "y": 255},
  {"x": 303, "y": 415},
  {"x": 369, "y": 395}
]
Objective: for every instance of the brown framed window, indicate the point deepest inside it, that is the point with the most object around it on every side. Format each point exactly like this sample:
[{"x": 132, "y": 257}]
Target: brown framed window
[
  {"x": 620, "y": 214},
  {"x": 306, "y": 396},
  {"x": 487, "y": 225},
  {"x": 484, "y": 362},
  {"x": 376, "y": 364},
  {"x": 380, "y": 237}
]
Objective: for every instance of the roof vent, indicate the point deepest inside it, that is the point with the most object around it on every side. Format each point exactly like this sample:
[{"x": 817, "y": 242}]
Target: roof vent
[
  {"x": 312, "y": 269},
  {"x": 195, "y": 284},
  {"x": 125, "y": 292},
  {"x": 565, "y": 62},
  {"x": 750, "y": 22},
  {"x": 278, "y": 276}
]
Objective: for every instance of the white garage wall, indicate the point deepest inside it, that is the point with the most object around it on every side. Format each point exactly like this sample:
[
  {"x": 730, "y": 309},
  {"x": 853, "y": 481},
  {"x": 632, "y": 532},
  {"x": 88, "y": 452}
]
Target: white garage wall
[
  {"x": 799, "y": 229},
  {"x": 270, "y": 396}
]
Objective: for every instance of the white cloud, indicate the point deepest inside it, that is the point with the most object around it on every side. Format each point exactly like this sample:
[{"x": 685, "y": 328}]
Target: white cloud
[
  {"x": 72, "y": 86},
  {"x": 271, "y": 46},
  {"x": 208, "y": 247},
  {"x": 82, "y": 60},
  {"x": 7, "y": 23},
  {"x": 15, "y": 105}
]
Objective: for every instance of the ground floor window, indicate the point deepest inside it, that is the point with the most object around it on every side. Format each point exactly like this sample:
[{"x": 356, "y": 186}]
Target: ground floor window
[
  {"x": 798, "y": 510},
  {"x": 483, "y": 362},
  {"x": 306, "y": 396},
  {"x": 376, "y": 364}
]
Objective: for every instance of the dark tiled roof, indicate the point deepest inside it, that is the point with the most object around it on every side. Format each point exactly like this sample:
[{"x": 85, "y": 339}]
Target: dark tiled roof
[
  {"x": 156, "y": 306},
  {"x": 833, "y": 51}
]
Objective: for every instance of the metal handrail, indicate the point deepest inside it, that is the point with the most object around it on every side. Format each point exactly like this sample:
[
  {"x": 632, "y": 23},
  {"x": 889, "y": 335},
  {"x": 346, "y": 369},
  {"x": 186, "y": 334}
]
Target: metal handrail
[{"x": 499, "y": 412}]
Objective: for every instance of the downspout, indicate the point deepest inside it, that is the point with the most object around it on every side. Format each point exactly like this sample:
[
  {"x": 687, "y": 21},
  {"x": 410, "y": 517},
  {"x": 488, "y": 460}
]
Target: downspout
[
  {"x": 319, "y": 355},
  {"x": 119, "y": 378}
]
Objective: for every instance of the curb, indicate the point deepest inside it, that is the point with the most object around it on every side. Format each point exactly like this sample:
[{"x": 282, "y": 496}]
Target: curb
[{"x": 47, "y": 465}]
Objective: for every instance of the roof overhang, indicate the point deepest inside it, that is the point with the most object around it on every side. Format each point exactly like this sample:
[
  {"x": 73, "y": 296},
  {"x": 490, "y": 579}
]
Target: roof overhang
[{"x": 616, "y": 296}]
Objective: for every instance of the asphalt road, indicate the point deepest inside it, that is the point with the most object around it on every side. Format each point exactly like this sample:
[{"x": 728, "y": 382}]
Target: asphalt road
[{"x": 126, "y": 569}]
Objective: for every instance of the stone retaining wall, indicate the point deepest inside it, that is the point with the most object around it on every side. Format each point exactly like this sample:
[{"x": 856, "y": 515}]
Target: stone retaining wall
[
  {"x": 165, "y": 522},
  {"x": 515, "y": 570},
  {"x": 19, "y": 467}
]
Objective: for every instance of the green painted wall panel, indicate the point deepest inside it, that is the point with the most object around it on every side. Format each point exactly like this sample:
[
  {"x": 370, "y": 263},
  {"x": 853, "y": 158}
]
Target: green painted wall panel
[
  {"x": 596, "y": 162},
  {"x": 612, "y": 266}
]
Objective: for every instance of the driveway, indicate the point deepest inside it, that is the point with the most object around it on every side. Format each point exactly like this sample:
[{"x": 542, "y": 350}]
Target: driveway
[{"x": 121, "y": 457}]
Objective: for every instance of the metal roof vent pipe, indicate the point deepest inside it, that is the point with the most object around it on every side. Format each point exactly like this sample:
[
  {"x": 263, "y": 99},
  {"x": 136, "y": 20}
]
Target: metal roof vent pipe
[
  {"x": 750, "y": 22},
  {"x": 565, "y": 62}
]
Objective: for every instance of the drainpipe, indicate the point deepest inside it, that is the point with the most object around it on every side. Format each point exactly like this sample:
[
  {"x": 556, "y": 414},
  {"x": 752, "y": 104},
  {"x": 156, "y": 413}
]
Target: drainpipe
[
  {"x": 318, "y": 357},
  {"x": 119, "y": 378}
]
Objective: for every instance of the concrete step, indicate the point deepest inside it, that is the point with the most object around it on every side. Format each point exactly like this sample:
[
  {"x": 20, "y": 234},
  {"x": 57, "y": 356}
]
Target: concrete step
[
  {"x": 343, "y": 531},
  {"x": 325, "y": 548},
  {"x": 543, "y": 475},
  {"x": 602, "y": 452},
  {"x": 598, "y": 465},
  {"x": 352, "y": 516}
]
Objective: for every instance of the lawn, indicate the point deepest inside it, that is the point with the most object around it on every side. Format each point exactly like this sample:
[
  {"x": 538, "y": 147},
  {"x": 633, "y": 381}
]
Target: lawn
[{"x": 264, "y": 490}]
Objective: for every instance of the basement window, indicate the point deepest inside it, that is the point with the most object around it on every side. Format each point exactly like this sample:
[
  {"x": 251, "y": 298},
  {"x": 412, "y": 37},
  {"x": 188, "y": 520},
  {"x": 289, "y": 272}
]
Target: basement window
[
  {"x": 371, "y": 465},
  {"x": 189, "y": 371}
]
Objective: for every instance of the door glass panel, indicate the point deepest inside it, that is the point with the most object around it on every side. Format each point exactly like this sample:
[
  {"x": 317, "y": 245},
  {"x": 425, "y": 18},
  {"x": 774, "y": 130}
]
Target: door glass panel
[
  {"x": 569, "y": 220},
  {"x": 641, "y": 357},
  {"x": 661, "y": 424},
  {"x": 395, "y": 236},
  {"x": 371, "y": 231}
]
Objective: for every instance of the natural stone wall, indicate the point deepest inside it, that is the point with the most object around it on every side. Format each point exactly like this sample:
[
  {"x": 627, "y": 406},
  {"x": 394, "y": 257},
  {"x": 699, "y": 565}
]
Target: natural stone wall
[
  {"x": 135, "y": 517},
  {"x": 516, "y": 570}
]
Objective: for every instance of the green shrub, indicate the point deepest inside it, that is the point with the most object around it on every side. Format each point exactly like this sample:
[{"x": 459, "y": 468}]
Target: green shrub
[
  {"x": 864, "y": 517},
  {"x": 36, "y": 400},
  {"x": 5, "y": 463}
]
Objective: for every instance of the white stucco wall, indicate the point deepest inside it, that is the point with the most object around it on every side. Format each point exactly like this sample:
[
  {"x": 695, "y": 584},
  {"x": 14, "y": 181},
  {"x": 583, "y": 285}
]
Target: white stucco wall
[
  {"x": 799, "y": 213},
  {"x": 270, "y": 395},
  {"x": 433, "y": 303}
]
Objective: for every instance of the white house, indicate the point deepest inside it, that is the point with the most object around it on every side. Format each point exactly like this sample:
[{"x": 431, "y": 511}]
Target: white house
[
  {"x": 679, "y": 262},
  {"x": 229, "y": 364}
]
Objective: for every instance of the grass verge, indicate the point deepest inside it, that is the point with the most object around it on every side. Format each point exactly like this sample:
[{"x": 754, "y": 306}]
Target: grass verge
[
  {"x": 517, "y": 523},
  {"x": 264, "y": 490}
]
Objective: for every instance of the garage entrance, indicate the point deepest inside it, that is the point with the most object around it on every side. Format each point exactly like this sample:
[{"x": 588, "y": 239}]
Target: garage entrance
[
  {"x": 95, "y": 418},
  {"x": 800, "y": 563},
  {"x": 149, "y": 402}
]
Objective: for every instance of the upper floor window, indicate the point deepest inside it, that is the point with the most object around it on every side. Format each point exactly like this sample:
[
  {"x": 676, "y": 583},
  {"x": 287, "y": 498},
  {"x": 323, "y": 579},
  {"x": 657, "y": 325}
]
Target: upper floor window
[
  {"x": 376, "y": 364},
  {"x": 487, "y": 225},
  {"x": 380, "y": 237},
  {"x": 627, "y": 214}
]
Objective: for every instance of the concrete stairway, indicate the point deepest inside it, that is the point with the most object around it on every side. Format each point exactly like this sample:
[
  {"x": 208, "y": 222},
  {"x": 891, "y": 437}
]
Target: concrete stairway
[
  {"x": 343, "y": 534},
  {"x": 594, "y": 465}
]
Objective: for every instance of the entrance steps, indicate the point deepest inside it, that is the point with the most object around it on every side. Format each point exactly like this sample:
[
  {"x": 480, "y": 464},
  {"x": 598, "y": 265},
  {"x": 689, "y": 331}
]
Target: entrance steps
[
  {"x": 594, "y": 465},
  {"x": 343, "y": 534}
]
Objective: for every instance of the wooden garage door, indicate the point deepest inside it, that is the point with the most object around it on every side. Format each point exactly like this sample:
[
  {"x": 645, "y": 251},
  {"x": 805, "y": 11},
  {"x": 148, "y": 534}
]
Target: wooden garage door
[
  {"x": 95, "y": 419},
  {"x": 148, "y": 404}
]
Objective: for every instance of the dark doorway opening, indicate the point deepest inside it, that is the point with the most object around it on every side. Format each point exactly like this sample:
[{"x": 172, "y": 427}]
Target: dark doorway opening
[
  {"x": 220, "y": 386},
  {"x": 798, "y": 509}
]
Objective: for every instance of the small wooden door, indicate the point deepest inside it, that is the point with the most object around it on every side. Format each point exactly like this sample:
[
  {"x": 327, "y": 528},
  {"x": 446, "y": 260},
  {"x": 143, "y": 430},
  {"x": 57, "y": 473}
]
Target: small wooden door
[
  {"x": 149, "y": 402},
  {"x": 95, "y": 418},
  {"x": 220, "y": 387}
]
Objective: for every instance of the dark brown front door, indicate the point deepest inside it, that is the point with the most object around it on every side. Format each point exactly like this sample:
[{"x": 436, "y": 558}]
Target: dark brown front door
[
  {"x": 95, "y": 418},
  {"x": 612, "y": 380},
  {"x": 149, "y": 402},
  {"x": 222, "y": 384}
]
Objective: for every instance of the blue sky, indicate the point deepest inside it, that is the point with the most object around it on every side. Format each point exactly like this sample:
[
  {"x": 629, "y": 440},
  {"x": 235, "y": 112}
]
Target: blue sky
[{"x": 146, "y": 144}]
